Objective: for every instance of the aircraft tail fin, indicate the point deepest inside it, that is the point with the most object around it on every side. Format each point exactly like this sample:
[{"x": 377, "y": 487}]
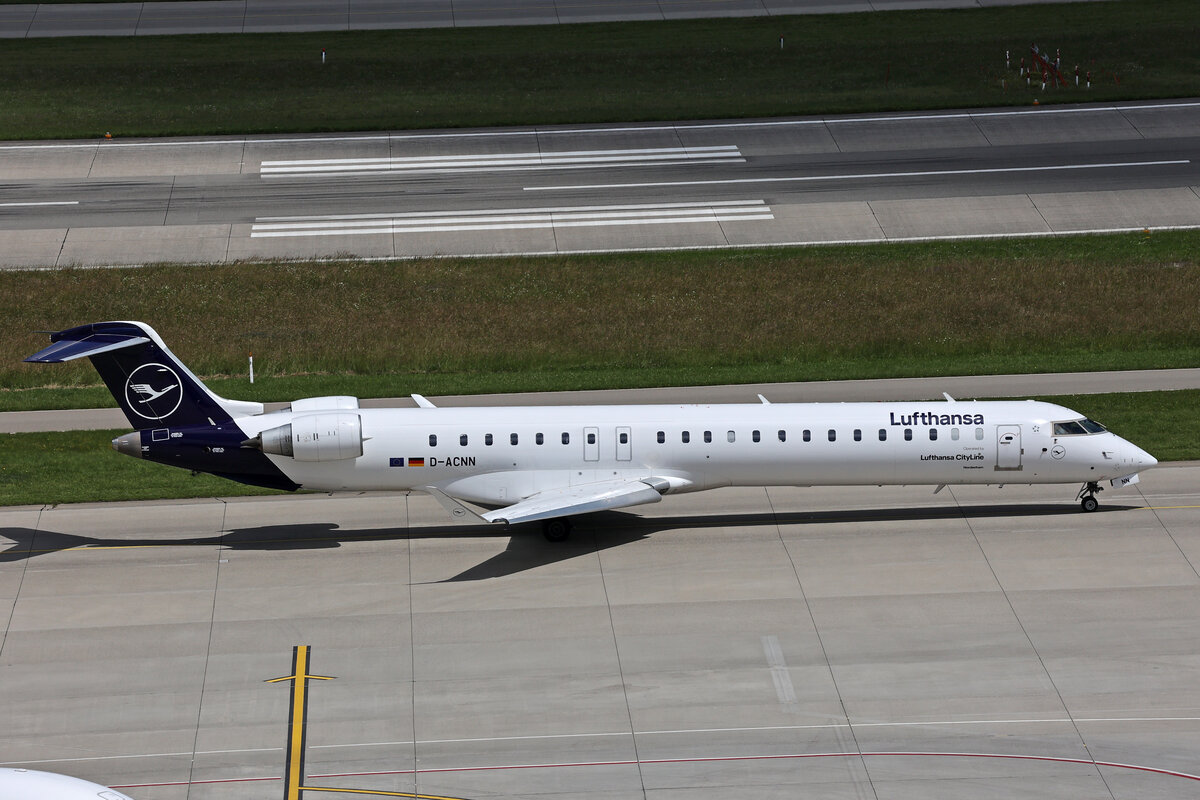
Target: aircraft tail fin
[{"x": 149, "y": 383}]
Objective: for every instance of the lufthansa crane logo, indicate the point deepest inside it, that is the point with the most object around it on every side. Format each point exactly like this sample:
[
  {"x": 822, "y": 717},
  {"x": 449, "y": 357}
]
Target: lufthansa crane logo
[{"x": 153, "y": 391}]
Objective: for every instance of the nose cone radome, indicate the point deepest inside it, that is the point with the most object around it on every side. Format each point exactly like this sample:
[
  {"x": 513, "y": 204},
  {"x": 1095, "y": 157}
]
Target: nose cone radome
[{"x": 129, "y": 444}]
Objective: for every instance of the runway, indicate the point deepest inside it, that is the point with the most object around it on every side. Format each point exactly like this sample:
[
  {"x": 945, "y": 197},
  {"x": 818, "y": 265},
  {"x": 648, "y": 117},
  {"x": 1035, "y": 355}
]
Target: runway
[
  {"x": 279, "y": 16},
  {"x": 859, "y": 178},
  {"x": 827, "y": 643}
]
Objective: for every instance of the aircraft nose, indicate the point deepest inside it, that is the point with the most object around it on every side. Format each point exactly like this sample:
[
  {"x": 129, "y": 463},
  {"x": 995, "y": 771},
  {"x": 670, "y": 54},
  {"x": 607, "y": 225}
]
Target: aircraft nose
[{"x": 1140, "y": 458}]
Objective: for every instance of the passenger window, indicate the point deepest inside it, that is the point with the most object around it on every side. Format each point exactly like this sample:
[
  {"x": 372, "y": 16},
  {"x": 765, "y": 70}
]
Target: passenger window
[
  {"x": 807, "y": 435},
  {"x": 933, "y": 434},
  {"x": 487, "y": 439},
  {"x": 566, "y": 438},
  {"x": 731, "y": 436},
  {"x": 857, "y": 435},
  {"x": 783, "y": 436},
  {"x": 755, "y": 436},
  {"x": 979, "y": 434},
  {"x": 662, "y": 437},
  {"x": 883, "y": 434},
  {"x": 512, "y": 438},
  {"x": 433, "y": 440},
  {"x": 686, "y": 436},
  {"x": 591, "y": 439},
  {"x": 908, "y": 434},
  {"x": 463, "y": 440},
  {"x": 539, "y": 438},
  {"x": 708, "y": 436},
  {"x": 624, "y": 437},
  {"x": 954, "y": 434},
  {"x": 832, "y": 435}
]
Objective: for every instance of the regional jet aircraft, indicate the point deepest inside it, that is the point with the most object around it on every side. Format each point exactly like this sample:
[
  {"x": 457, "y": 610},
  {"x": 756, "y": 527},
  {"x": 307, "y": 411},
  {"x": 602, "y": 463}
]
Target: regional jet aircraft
[{"x": 549, "y": 463}]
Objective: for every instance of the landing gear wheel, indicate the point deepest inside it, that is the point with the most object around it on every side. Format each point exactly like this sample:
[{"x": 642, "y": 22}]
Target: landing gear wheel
[
  {"x": 1087, "y": 496},
  {"x": 556, "y": 530}
]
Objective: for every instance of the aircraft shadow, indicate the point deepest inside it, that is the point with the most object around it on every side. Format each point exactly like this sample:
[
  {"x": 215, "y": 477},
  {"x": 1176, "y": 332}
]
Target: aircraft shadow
[{"x": 526, "y": 548}]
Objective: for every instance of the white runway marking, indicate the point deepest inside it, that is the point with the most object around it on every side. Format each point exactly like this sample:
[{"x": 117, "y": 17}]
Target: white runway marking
[
  {"x": 784, "y": 689},
  {"x": 512, "y": 219},
  {"x": 47, "y": 203},
  {"x": 574, "y": 159},
  {"x": 860, "y": 176}
]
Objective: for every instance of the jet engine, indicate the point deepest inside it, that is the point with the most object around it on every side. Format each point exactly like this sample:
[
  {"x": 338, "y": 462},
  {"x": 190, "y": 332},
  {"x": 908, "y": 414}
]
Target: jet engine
[{"x": 332, "y": 436}]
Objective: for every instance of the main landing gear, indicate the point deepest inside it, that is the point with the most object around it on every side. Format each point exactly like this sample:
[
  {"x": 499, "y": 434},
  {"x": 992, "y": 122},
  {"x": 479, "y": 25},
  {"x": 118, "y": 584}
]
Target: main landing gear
[
  {"x": 557, "y": 529},
  {"x": 1087, "y": 496}
]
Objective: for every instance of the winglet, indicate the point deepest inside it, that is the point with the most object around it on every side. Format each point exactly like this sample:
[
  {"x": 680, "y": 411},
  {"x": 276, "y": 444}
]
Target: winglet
[
  {"x": 422, "y": 402},
  {"x": 765, "y": 401},
  {"x": 949, "y": 399},
  {"x": 456, "y": 509}
]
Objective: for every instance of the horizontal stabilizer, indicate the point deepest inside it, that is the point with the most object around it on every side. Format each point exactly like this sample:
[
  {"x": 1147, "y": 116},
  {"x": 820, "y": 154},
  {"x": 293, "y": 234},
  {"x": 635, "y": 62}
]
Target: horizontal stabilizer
[
  {"x": 581, "y": 499},
  {"x": 94, "y": 344}
]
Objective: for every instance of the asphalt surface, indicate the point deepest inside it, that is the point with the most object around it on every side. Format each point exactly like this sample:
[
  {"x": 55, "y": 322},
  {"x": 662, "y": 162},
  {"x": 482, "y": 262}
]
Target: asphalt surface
[
  {"x": 861, "y": 642},
  {"x": 265, "y": 16},
  {"x": 861, "y": 178},
  {"x": 960, "y": 387}
]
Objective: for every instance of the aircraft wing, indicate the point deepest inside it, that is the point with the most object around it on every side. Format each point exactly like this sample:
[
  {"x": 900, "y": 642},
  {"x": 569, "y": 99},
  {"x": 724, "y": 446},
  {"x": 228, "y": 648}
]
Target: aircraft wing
[{"x": 567, "y": 500}]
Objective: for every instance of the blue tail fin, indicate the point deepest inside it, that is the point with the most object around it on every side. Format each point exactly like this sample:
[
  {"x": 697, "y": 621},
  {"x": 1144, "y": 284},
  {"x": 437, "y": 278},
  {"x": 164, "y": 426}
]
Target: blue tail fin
[{"x": 149, "y": 383}]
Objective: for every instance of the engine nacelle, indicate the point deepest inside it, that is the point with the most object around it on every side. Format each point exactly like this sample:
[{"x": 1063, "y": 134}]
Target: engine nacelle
[
  {"x": 339, "y": 402},
  {"x": 332, "y": 436}
]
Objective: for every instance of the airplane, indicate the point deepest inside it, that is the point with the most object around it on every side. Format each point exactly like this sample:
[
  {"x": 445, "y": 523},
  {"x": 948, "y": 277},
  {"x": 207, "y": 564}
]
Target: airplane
[
  {"x": 32, "y": 784},
  {"x": 549, "y": 464}
]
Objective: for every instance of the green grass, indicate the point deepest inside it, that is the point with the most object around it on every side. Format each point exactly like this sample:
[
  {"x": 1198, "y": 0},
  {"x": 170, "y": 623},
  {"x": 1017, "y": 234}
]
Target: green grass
[
  {"x": 610, "y": 321},
  {"x": 79, "y": 466},
  {"x": 691, "y": 69}
]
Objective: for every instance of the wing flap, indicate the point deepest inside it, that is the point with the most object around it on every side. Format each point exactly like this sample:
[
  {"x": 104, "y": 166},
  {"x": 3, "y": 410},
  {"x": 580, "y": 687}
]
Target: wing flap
[{"x": 581, "y": 499}]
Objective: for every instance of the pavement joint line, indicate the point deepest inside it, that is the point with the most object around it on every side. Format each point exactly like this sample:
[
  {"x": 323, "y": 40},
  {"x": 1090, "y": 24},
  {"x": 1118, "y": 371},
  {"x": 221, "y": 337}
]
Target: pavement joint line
[
  {"x": 548, "y": 131},
  {"x": 861, "y": 176}
]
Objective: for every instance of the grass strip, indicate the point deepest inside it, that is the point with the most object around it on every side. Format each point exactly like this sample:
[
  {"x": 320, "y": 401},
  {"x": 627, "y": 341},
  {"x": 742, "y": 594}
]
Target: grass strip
[
  {"x": 460, "y": 326},
  {"x": 79, "y": 466},
  {"x": 684, "y": 69}
]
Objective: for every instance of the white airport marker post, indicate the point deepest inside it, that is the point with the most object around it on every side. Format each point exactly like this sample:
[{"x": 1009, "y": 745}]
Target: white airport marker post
[
  {"x": 252, "y": 367},
  {"x": 322, "y": 55}
]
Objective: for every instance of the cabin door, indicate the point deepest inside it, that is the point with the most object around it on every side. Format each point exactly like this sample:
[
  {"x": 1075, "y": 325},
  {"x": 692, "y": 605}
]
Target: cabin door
[
  {"x": 624, "y": 444},
  {"x": 1008, "y": 447}
]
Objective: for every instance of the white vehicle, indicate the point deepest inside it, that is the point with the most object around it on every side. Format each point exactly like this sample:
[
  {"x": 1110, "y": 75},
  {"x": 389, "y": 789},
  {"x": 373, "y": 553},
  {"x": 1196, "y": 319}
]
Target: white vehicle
[
  {"x": 32, "y": 784},
  {"x": 548, "y": 463}
]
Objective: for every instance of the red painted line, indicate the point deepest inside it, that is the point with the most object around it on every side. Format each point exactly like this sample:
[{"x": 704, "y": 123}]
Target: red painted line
[{"x": 709, "y": 759}]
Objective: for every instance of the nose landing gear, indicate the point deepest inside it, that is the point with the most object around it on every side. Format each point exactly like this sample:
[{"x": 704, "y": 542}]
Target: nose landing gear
[{"x": 1087, "y": 496}]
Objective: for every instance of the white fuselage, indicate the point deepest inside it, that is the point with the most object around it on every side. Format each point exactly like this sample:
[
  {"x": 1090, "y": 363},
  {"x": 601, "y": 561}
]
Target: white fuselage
[{"x": 496, "y": 456}]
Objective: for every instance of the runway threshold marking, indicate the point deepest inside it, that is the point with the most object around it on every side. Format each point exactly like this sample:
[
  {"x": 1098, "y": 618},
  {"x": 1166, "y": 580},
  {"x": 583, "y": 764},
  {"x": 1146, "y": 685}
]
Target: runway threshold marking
[
  {"x": 570, "y": 159},
  {"x": 297, "y": 720},
  {"x": 513, "y": 219}
]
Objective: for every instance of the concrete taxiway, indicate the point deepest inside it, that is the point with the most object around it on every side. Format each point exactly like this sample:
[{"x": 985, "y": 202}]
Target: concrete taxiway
[
  {"x": 962, "y": 386},
  {"x": 884, "y": 643},
  {"x": 32, "y": 20},
  {"x": 858, "y": 178}
]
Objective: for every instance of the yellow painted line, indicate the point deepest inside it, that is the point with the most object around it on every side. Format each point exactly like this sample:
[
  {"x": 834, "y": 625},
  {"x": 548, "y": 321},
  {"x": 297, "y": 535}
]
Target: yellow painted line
[
  {"x": 379, "y": 792},
  {"x": 1166, "y": 508},
  {"x": 297, "y": 720}
]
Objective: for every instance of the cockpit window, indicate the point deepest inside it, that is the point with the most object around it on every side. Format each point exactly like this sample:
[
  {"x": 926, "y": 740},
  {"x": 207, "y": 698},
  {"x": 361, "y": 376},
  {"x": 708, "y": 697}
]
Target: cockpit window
[{"x": 1076, "y": 427}]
